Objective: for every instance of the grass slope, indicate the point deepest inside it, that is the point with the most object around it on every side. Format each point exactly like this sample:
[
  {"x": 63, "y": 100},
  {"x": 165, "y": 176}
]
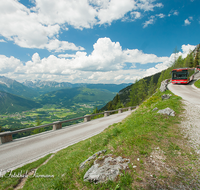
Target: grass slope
[
  {"x": 10, "y": 103},
  {"x": 152, "y": 142},
  {"x": 197, "y": 83}
]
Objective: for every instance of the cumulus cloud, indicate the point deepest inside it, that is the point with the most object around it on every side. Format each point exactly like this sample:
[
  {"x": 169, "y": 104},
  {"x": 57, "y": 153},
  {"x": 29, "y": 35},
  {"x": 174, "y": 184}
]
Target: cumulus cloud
[
  {"x": 187, "y": 21},
  {"x": 2, "y": 40},
  {"x": 9, "y": 64},
  {"x": 106, "y": 64},
  {"x": 40, "y": 25},
  {"x": 28, "y": 29}
]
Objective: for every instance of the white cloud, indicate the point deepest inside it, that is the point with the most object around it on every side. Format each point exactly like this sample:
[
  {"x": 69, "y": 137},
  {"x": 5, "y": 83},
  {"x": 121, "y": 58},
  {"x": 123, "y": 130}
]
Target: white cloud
[
  {"x": 135, "y": 15},
  {"x": 187, "y": 21},
  {"x": 150, "y": 21},
  {"x": 9, "y": 64},
  {"x": 173, "y": 12},
  {"x": 59, "y": 46},
  {"x": 187, "y": 49},
  {"x": 40, "y": 26},
  {"x": 115, "y": 10},
  {"x": 2, "y": 40},
  {"x": 77, "y": 13},
  {"x": 66, "y": 55},
  {"x": 28, "y": 29},
  {"x": 106, "y": 64},
  {"x": 161, "y": 15}
]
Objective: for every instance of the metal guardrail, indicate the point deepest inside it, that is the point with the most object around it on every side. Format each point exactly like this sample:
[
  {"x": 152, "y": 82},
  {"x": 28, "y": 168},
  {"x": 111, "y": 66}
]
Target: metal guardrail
[{"x": 7, "y": 136}]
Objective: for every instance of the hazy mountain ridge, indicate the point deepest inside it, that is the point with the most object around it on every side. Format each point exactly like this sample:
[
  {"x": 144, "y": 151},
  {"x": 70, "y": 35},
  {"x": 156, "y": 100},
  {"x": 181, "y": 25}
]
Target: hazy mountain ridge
[
  {"x": 71, "y": 96},
  {"x": 50, "y": 92},
  {"x": 13, "y": 87},
  {"x": 10, "y": 103},
  {"x": 47, "y": 85}
]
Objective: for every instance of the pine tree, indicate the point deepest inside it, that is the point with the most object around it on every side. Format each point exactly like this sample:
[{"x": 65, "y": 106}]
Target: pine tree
[
  {"x": 110, "y": 106},
  {"x": 142, "y": 90},
  {"x": 95, "y": 111},
  {"x": 191, "y": 61},
  {"x": 196, "y": 60},
  {"x": 38, "y": 123},
  {"x": 151, "y": 88},
  {"x": 134, "y": 101}
]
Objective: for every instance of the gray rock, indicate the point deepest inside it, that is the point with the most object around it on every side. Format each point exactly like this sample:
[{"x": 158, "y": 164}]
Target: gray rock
[
  {"x": 166, "y": 96},
  {"x": 106, "y": 168},
  {"x": 163, "y": 86},
  {"x": 93, "y": 157},
  {"x": 167, "y": 111},
  {"x": 155, "y": 109}
]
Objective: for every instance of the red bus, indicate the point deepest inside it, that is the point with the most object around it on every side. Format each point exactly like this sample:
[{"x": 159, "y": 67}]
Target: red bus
[{"x": 182, "y": 75}]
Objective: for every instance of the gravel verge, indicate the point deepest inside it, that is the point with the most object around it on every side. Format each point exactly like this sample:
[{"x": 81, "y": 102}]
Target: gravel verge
[{"x": 191, "y": 124}]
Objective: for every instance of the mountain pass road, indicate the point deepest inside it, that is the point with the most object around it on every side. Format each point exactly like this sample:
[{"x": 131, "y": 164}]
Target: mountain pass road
[
  {"x": 28, "y": 149},
  {"x": 188, "y": 92}
]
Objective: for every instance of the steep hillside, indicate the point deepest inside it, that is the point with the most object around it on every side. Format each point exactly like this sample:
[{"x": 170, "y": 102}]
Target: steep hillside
[
  {"x": 124, "y": 94},
  {"x": 12, "y": 86},
  {"x": 136, "y": 93},
  {"x": 76, "y": 95},
  {"x": 10, "y": 103}
]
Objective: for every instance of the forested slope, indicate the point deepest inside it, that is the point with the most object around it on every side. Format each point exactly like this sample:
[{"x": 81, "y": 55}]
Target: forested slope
[{"x": 136, "y": 93}]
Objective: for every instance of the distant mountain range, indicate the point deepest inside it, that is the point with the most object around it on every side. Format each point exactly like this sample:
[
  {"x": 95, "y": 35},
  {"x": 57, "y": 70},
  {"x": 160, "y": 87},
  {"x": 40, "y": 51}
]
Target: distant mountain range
[
  {"x": 48, "y": 86},
  {"x": 17, "y": 97},
  {"x": 10, "y": 103},
  {"x": 12, "y": 86}
]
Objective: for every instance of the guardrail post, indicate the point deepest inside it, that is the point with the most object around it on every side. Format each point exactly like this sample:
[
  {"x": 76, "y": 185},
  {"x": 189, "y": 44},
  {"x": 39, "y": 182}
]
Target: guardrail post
[
  {"x": 129, "y": 108},
  {"x": 57, "y": 125},
  {"x": 106, "y": 113},
  {"x": 119, "y": 110},
  {"x": 6, "y": 138},
  {"x": 87, "y": 118}
]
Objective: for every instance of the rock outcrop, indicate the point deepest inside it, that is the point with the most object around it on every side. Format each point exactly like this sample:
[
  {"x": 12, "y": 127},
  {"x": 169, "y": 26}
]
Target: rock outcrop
[
  {"x": 106, "y": 168},
  {"x": 163, "y": 86},
  {"x": 93, "y": 157},
  {"x": 167, "y": 111}
]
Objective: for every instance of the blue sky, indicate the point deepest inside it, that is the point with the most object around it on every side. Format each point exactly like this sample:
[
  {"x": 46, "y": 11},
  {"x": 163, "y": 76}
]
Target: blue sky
[{"x": 94, "y": 41}]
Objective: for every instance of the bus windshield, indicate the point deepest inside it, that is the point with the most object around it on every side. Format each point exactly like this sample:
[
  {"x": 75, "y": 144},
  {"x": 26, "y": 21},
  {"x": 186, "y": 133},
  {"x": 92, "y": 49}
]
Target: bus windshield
[{"x": 179, "y": 75}]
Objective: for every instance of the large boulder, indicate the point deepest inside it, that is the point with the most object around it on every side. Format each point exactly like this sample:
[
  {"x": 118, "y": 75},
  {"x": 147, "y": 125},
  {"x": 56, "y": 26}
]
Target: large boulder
[
  {"x": 106, "y": 168},
  {"x": 93, "y": 157},
  {"x": 163, "y": 86},
  {"x": 167, "y": 111}
]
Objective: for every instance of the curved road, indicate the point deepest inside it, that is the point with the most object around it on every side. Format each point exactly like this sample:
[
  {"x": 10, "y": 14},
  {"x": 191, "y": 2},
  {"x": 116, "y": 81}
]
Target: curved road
[
  {"x": 28, "y": 149},
  {"x": 188, "y": 92}
]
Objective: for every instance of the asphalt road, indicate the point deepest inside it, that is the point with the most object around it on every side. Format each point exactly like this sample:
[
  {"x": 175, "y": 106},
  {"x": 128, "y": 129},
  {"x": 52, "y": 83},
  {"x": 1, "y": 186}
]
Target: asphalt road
[
  {"x": 188, "y": 92},
  {"x": 28, "y": 149}
]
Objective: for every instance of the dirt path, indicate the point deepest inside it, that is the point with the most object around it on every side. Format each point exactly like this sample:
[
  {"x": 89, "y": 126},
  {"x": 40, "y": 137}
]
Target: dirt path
[{"x": 191, "y": 124}]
